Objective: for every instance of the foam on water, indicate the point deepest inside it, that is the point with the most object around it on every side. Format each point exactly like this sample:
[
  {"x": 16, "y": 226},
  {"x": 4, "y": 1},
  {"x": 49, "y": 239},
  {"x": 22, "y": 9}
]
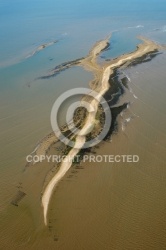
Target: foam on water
[{"x": 135, "y": 27}]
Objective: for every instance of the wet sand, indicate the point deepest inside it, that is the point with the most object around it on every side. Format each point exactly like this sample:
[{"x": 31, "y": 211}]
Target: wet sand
[
  {"x": 102, "y": 87},
  {"x": 41, "y": 47},
  {"x": 104, "y": 206},
  {"x": 128, "y": 210}
]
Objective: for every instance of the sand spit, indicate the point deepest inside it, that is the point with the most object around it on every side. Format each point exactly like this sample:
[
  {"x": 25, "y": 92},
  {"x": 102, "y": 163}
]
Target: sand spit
[
  {"x": 41, "y": 47},
  {"x": 101, "y": 85},
  {"x": 88, "y": 62},
  {"x": 60, "y": 68},
  {"x": 81, "y": 137}
]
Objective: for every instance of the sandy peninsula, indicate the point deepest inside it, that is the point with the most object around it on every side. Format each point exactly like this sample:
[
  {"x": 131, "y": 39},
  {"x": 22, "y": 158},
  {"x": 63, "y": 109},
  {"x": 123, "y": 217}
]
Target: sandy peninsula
[{"x": 101, "y": 84}]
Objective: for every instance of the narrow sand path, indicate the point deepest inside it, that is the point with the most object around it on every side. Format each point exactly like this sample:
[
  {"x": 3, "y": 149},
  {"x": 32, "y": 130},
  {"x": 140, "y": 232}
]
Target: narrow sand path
[{"x": 90, "y": 62}]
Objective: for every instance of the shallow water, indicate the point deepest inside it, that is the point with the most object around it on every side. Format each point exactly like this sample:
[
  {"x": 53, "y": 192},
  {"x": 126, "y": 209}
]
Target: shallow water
[
  {"x": 117, "y": 206},
  {"x": 127, "y": 211}
]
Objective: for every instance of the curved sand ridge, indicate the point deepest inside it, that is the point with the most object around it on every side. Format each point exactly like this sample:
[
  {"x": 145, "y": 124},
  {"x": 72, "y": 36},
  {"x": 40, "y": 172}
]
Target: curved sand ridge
[
  {"x": 41, "y": 47},
  {"x": 102, "y": 75}
]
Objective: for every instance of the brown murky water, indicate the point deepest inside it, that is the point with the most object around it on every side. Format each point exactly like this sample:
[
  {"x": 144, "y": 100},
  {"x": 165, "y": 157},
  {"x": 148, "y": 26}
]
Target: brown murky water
[
  {"x": 121, "y": 205},
  {"x": 99, "y": 206}
]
